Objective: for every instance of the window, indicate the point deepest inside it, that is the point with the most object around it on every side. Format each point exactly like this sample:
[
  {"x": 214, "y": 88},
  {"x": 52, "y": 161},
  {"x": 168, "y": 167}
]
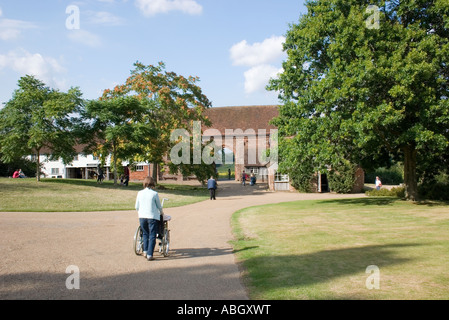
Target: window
[
  {"x": 139, "y": 168},
  {"x": 254, "y": 170},
  {"x": 279, "y": 177},
  {"x": 54, "y": 171}
]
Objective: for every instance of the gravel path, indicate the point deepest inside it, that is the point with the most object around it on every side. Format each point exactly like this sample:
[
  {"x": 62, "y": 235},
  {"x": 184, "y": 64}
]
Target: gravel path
[{"x": 37, "y": 249}]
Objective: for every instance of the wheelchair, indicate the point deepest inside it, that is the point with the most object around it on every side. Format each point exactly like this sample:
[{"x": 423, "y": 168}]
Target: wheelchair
[{"x": 163, "y": 236}]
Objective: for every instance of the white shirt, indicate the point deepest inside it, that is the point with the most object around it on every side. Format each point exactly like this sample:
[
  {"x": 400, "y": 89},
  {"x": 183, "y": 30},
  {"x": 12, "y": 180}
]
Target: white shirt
[
  {"x": 148, "y": 204},
  {"x": 378, "y": 183}
]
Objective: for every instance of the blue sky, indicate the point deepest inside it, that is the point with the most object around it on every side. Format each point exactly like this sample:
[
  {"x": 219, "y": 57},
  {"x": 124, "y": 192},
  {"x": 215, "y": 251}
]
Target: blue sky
[{"x": 232, "y": 46}]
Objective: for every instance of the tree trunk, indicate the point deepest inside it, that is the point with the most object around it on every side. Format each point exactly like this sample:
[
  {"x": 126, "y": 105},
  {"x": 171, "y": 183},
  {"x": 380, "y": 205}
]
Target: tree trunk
[
  {"x": 115, "y": 163},
  {"x": 155, "y": 172},
  {"x": 410, "y": 180},
  {"x": 38, "y": 174}
]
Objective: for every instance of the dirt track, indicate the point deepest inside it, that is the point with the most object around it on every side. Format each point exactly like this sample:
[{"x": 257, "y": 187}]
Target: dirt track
[{"x": 37, "y": 248}]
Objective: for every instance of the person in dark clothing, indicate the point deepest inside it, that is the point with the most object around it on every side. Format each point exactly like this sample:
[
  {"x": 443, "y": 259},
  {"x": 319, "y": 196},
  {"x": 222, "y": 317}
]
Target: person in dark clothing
[
  {"x": 212, "y": 186},
  {"x": 126, "y": 176},
  {"x": 100, "y": 175}
]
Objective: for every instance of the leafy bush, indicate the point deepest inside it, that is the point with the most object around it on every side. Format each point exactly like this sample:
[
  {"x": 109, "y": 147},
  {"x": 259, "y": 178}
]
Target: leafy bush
[
  {"x": 434, "y": 191},
  {"x": 342, "y": 178},
  {"x": 28, "y": 167},
  {"x": 302, "y": 181},
  {"x": 392, "y": 176},
  {"x": 398, "y": 192}
]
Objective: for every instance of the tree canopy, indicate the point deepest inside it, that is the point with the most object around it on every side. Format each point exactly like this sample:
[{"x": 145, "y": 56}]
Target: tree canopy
[
  {"x": 118, "y": 127},
  {"x": 364, "y": 82},
  {"x": 173, "y": 102},
  {"x": 38, "y": 117}
]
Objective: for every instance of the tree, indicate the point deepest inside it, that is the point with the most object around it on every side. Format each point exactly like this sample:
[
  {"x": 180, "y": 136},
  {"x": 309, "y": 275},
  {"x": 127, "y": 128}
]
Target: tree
[
  {"x": 39, "y": 117},
  {"x": 367, "y": 91},
  {"x": 173, "y": 101},
  {"x": 118, "y": 127}
]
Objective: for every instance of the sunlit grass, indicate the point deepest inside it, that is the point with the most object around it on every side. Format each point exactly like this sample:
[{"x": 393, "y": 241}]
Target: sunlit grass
[
  {"x": 321, "y": 249},
  {"x": 84, "y": 195}
]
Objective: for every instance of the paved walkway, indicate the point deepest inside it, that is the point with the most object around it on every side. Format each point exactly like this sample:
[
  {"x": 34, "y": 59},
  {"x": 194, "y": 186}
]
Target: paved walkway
[{"x": 37, "y": 248}]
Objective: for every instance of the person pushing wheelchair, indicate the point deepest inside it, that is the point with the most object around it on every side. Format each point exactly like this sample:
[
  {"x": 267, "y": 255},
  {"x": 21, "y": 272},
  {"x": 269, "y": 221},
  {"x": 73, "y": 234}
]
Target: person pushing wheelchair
[{"x": 148, "y": 206}]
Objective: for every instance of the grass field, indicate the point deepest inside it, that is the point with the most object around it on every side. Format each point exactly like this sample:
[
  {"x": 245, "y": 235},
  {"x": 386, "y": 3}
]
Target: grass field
[
  {"x": 62, "y": 195},
  {"x": 322, "y": 249}
]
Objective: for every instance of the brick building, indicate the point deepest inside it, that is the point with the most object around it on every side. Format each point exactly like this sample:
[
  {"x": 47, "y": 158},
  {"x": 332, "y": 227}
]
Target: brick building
[{"x": 244, "y": 131}]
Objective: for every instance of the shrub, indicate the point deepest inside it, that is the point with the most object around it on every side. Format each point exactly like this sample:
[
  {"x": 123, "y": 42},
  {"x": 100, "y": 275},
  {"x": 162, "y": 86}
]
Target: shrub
[
  {"x": 398, "y": 192},
  {"x": 28, "y": 167},
  {"x": 342, "y": 178},
  {"x": 434, "y": 191}
]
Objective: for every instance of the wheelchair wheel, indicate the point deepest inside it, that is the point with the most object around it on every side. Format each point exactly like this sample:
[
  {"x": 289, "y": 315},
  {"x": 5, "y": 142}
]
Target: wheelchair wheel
[
  {"x": 138, "y": 242},
  {"x": 165, "y": 242}
]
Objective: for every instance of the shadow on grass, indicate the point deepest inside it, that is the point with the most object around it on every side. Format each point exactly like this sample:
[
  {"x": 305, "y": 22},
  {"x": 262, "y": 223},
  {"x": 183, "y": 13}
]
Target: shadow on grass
[
  {"x": 300, "y": 271},
  {"x": 134, "y": 186},
  {"x": 433, "y": 203},
  {"x": 375, "y": 201},
  {"x": 382, "y": 201},
  {"x": 92, "y": 183}
]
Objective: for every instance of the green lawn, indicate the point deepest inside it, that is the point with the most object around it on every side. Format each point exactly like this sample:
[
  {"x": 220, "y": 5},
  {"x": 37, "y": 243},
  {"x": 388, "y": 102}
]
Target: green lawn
[
  {"x": 321, "y": 249},
  {"x": 85, "y": 195}
]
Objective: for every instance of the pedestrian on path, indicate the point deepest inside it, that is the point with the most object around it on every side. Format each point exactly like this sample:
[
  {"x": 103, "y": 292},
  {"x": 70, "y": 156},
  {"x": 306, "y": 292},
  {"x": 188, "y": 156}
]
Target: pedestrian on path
[
  {"x": 378, "y": 183},
  {"x": 244, "y": 176},
  {"x": 148, "y": 206},
  {"x": 212, "y": 186}
]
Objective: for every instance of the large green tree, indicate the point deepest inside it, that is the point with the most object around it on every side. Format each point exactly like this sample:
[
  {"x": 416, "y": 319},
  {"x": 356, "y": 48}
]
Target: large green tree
[
  {"x": 40, "y": 118},
  {"x": 366, "y": 81},
  {"x": 118, "y": 127}
]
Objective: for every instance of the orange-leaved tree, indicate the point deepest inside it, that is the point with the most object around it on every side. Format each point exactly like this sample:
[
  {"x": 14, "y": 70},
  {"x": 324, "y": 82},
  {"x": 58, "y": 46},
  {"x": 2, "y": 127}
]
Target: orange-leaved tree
[{"x": 172, "y": 102}]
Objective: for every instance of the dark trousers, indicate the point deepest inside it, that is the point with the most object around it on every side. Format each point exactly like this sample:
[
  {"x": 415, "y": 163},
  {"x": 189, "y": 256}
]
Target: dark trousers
[
  {"x": 150, "y": 228},
  {"x": 212, "y": 194}
]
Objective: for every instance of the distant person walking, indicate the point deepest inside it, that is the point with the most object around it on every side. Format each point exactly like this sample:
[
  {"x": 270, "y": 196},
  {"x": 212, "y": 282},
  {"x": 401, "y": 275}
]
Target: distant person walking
[
  {"x": 100, "y": 175},
  {"x": 126, "y": 175},
  {"x": 244, "y": 177},
  {"x": 378, "y": 183},
  {"x": 212, "y": 186}
]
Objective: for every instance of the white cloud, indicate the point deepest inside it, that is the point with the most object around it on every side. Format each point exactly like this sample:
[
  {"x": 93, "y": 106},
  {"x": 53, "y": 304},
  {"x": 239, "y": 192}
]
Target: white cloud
[
  {"x": 153, "y": 7},
  {"x": 259, "y": 57},
  {"x": 47, "y": 69},
  {"x": 105, "y": 18},
  {"x": 84, "y": 37},
  {"x": 269, "y": 50},
  {"x": 257, "y": 78},
  {"x": 10, "y": 29}
]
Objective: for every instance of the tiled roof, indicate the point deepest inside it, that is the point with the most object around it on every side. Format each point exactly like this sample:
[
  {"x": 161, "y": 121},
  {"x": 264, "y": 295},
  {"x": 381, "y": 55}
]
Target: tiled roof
[{"x": 245, "y": 117}]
